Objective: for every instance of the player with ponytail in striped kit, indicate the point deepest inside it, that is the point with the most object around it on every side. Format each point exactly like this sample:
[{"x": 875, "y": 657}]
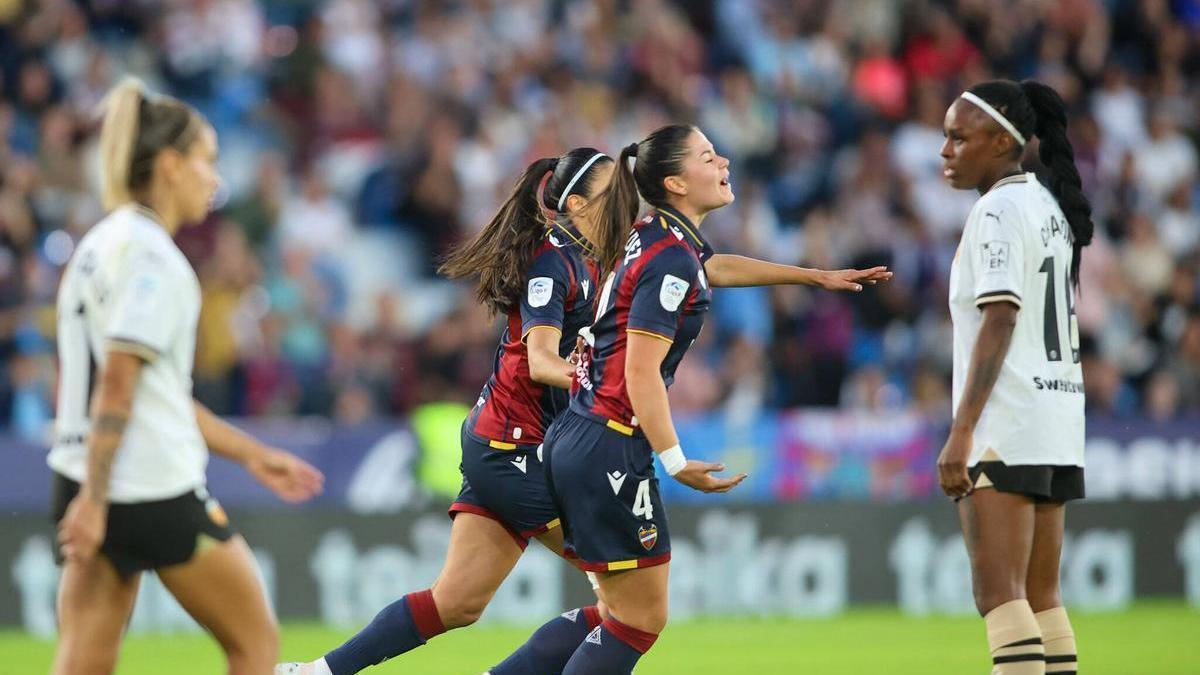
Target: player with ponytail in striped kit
[{"x": 533, "y": 266}]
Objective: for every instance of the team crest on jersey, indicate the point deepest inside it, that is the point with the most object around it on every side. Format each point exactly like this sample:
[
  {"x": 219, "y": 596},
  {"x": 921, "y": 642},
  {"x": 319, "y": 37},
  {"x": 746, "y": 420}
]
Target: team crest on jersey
[
  {"x": 672, "y": 292},
  {"x": 540, "y": 290},
  {"x": 996, "y": 255},
  {"x": 648, "y": 535}
]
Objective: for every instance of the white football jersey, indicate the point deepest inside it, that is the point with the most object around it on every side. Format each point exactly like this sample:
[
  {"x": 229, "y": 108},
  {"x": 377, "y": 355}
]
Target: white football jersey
[
  {"x": 129, "y": 288},
  {"x": 1016, "y": 247}
]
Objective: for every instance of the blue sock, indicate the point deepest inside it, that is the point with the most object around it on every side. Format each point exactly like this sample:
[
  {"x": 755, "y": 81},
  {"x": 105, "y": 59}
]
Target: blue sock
[
  {"x": 547, "y": 650},
  {"x": 611, "y": 649},
  {"x": 402, "y": 626}
]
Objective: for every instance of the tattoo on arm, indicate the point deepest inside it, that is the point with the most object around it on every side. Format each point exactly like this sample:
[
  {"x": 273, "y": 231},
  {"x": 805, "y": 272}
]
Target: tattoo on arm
[
  {"x": 110, "y": 423},
  {"x": 106, "y": 435}
]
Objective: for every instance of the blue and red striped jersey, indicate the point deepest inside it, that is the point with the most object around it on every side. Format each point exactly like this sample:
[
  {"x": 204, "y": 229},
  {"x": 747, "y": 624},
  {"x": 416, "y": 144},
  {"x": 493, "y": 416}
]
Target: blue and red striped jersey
[
  {"x": 658, "y": 288},
  {"x": 560, "y": 286}
]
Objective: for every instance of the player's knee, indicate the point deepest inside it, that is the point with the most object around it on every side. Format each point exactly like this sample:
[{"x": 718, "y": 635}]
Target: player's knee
[
  {"x": 987, "y": 599},
  {"x": 1043, "y": 598},
  {"x": 248, "y": 650},
  {"x": 460, "y": 611},
  {"x": 648, "y": 619},
  {"x": 78, "y": 659}
]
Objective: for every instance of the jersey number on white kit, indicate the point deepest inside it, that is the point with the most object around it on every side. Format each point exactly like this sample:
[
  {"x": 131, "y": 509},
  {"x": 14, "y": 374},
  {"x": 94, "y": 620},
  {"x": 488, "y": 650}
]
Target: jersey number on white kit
[{"x": 1051, "y": 319}]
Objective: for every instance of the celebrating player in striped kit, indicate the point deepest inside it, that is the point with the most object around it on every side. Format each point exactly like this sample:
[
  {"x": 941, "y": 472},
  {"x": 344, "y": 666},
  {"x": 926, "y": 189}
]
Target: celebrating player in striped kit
[
  {"x": 599, "y": 453},
  {"x": 1015, "y": 451},
  {"x": 534, "y": 267}
]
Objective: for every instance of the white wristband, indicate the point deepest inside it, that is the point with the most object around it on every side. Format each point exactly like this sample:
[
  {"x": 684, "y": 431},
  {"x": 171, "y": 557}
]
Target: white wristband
[{"x": 673, "y": 460}]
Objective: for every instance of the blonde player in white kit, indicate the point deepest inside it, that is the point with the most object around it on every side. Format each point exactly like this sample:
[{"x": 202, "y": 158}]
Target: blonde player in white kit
[
  {"x": 1015, "y": 451},
  {"x": 130, "y": 454}
]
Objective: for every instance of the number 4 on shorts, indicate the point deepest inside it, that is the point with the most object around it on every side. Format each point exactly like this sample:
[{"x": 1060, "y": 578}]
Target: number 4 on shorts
[{"x": 641, "y": 501}]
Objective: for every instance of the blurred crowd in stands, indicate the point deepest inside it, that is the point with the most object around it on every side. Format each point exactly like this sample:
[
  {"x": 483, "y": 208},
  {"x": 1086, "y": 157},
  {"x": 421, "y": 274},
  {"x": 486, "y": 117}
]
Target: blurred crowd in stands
[{"x": 362, "y": 138}]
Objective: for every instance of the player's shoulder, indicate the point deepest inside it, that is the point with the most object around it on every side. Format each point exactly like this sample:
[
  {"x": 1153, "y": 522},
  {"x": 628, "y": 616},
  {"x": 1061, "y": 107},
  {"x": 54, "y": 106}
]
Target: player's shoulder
[
  {"x": 552, "y": 256},
  {"x": 1007, "y": 202}
]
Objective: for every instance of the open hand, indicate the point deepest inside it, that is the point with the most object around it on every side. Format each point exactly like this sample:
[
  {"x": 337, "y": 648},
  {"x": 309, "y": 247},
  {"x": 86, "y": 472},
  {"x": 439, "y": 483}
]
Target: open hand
[
  {"x": 852, "y": 280},
  {"x": 289, "y": 477},
  {"x": 698, "y": 476}
]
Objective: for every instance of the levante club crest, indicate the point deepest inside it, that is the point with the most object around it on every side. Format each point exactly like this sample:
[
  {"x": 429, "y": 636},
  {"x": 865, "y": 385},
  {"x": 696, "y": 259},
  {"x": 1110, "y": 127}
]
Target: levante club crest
[{"x": 648, "y": 535}]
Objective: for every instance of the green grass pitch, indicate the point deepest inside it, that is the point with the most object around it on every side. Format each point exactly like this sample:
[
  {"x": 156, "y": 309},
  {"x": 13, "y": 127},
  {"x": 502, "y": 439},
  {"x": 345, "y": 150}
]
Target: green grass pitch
[{"x": 1158, "y": 638}]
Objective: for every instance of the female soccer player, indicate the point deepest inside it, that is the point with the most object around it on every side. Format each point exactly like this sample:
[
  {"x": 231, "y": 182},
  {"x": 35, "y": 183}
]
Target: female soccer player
[
  {"x": 1015, "y": 451},
  {"x": 130, "y": 456},
  {"x": 536, "y": 271},
  {"x": 598, "y": 454}
]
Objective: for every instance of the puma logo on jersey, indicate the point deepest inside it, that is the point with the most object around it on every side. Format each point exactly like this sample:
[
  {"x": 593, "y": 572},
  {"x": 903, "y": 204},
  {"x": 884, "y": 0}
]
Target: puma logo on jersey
[
  {"x": 519, "y": 463},
  {"x": 616, "y": 479}
]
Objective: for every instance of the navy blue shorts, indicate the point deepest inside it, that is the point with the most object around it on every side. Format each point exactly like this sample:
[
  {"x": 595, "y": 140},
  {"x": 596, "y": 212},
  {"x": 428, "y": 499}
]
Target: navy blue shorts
[
  {"x": 604, "y": 486},
  {"x": 506, "y": 485}
]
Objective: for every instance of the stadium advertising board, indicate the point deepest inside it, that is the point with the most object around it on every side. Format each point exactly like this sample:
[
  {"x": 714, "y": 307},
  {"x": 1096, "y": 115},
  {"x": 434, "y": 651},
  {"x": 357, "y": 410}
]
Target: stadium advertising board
[{"x": 787, "y": 560}]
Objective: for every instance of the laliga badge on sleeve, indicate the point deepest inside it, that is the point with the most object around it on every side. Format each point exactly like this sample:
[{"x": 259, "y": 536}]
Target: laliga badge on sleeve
[
  {"x": 672, "y": 292},
  {"x": 540, "y": 290}
]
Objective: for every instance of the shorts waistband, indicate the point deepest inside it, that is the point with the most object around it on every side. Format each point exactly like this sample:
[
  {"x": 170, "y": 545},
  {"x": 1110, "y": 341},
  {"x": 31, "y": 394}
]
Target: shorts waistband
[
  {"x": 500, "y": 445},
  {"x": 619, "y": 427}
]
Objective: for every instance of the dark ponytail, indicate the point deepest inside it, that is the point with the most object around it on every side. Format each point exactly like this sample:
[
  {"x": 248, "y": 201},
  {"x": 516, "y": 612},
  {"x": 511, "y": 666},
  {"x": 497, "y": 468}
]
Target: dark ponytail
[
  {"x": 614, "y": 210},
  {"x": 1056, "y": 153},
  {"x": 1037, "y": 110},
  {"x": 501, "y": 252},
  {"x": 658, "y": 156}
]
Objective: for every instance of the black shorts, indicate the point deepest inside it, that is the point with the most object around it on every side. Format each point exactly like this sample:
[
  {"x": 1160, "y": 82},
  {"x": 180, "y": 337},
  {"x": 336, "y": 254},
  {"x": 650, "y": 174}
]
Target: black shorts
[
  {"x": 603, "y": 483},
  {"x": 148, "y": 535},
  {"x": 1042, "y": 482},
  {"x": 506, "y": 485}
]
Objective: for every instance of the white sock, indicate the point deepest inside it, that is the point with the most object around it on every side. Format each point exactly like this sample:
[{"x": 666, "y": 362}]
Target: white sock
[{"x": 320, "y": 667}]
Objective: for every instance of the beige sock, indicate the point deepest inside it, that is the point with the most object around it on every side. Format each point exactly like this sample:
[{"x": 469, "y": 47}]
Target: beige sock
[
  {"x": 1059, "y": 640},
  {"x": 1015, "y": 640}
]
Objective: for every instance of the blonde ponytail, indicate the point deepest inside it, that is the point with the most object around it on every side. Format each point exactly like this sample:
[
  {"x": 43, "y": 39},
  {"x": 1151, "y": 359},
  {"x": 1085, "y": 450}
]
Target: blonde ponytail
[{"x": 118, "y": 139}]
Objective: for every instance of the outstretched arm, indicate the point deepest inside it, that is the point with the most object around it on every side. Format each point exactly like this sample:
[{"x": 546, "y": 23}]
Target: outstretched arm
[
  {"x": 288, "y": 476},
  {"x": 725, "y": 271}
]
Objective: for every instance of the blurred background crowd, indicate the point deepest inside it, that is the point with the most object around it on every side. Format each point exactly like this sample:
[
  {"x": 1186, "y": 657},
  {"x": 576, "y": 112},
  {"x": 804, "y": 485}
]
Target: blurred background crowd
[{"x": 362, "y": 138}]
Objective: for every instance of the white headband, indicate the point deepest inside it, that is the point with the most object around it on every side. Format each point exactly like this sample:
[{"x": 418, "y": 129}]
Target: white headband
[
  {"x": 574, "y": 179},
  {"x": 995, "y": 114}
]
